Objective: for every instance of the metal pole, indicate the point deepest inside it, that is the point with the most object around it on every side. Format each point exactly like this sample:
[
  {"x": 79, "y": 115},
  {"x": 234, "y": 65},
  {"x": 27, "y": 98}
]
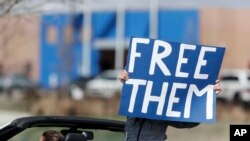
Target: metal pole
[
  {"x": 86, "y": 48},
  {"x": 119, "y": 48},
  {"x": 153, "y": 8}
]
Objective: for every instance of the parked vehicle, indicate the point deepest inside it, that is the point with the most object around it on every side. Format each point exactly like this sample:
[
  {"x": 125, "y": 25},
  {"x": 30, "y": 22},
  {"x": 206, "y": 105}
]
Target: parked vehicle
[
  {"x": 235, "y": 84},
  {"x": 78, "y": 86},
  {"x": 104, "y": 85},
  {"x": 2, "y": 84},
  {"x": 84, "y": 129},
  {"x": 19, "y": 83}
]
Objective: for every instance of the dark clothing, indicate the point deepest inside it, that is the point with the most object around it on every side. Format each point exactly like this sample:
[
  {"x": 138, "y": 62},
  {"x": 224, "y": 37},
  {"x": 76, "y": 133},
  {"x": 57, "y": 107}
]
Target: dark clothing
[{"x": 139, "y": 129}]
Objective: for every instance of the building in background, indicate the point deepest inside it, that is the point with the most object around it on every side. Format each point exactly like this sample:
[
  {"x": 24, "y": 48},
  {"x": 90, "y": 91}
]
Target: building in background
[
  {"x": 67, "y": 39},
  {"x": 65, "y": 57},
  {"x": 19, "y": 45}
]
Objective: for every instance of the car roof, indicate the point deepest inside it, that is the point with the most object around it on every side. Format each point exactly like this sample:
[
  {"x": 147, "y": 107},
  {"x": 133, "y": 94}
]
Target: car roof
[
  {"x": 234, "y": 71},
  {"x": 21, "y": 124},
  {"x": 114, "y": 72}
]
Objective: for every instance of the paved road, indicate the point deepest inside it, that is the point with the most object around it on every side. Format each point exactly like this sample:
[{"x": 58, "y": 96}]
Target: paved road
[{"x": 7, "y": 116}]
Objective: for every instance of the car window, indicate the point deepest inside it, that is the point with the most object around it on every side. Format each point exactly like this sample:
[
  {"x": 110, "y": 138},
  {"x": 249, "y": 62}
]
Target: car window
[
  {"x": 20, "y": 80},
  {"x": 229, "y": 78},
  {"x": 19, "y": 77},
  {"x": 1, "y": 81},
  {"x": 111, "y": 75},
  {"x": 33, "y": 134}
]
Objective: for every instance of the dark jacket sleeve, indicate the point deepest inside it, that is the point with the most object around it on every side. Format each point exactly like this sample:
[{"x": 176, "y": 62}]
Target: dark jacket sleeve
[{"x": 177, "y": 124}]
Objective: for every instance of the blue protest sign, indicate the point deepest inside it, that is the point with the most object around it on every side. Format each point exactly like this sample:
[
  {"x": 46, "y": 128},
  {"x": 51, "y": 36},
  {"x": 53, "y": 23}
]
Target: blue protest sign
[{"x": 171, "y": 81}]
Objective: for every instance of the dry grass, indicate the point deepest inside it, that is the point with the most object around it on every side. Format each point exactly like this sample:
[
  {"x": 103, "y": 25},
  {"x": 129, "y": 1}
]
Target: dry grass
[
  {"x": 204, "y": 132},
  {"x": 90, "y": 106},
  {"x": 227, "y": 113}
]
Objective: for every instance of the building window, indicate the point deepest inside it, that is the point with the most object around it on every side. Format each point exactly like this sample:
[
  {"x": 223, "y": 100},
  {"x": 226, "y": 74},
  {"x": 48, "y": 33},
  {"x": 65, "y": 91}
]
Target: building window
[
  {"x": 52, "y": 35},
  {"x": 68, "y": 34}
]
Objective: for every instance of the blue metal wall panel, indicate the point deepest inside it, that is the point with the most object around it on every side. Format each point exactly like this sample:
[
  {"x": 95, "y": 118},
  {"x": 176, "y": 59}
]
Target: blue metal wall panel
[
  {"x": 137, "y": 24},
  {"x": 179, "y": 26},
  {"x": 49, "y": 50},
  {"x": 104, "y": 25},
  {"x": 60, "y": 58},
  {"x": 173, "y": 25}
]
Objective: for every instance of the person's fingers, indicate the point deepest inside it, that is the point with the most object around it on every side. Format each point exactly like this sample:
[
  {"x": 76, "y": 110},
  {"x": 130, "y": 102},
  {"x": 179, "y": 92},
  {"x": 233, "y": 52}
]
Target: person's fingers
[
  {"x": 126, "y": 77},
  {"x": 218, "y": 91},
  {"x": 121, "y": 80},
  {"x": 217, "y": 87},
  {"x": 123, "y": 76}
]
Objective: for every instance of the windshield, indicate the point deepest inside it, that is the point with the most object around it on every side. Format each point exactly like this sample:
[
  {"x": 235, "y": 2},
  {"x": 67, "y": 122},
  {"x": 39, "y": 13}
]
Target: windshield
[
  {"x": 33, "y": 134},
  {"x": 229, "y": 78},
  {"x": 1, "y": 127}
]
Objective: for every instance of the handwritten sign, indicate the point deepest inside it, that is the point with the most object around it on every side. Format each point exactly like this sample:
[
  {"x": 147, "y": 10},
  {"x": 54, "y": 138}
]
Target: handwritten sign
[{"x": 171, "y": 81}]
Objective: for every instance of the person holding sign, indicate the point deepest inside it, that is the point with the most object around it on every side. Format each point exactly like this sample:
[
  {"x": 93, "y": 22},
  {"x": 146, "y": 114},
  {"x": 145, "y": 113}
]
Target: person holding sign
[
  {"x": 168, "y": 84},
  {"x": 140, "y": 129}
]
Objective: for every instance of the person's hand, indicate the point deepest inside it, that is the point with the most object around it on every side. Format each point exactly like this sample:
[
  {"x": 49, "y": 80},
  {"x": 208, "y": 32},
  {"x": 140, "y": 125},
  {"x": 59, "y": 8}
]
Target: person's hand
[
  {"x": 217, "y": 87},
  {"x": 123, "y": 76}
]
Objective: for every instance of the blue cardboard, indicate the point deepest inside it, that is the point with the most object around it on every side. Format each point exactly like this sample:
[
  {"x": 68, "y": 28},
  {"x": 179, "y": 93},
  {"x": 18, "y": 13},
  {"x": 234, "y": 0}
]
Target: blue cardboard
[{"x": 171, "y": 81}]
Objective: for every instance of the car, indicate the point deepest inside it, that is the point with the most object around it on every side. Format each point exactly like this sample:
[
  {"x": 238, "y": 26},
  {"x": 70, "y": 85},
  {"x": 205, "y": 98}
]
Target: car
[
  {"x": 104, "y": 85},
  {"x": 77, "y": 87},
  {"x": 31, "y": 128},
  {"x": 235, "y": 84},
  {"x": 17, "y": 83},
  {"x": 2, "y": 84}
]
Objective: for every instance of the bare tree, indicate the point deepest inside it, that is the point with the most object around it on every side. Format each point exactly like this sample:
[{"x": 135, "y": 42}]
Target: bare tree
[
  {"x": 7, "y": 5},
  {"x": 18, "y": 10}
]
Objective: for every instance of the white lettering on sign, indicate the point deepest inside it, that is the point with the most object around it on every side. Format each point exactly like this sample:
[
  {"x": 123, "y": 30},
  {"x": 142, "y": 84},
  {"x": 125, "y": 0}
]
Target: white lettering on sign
[
  {"x": 166, "y": 103},
  {"x": 173, "y": 99},
  {"x": 157, "y": 57},
  {"x": 183, "y": 60},
  {"x": 160, "y": 99},
  {"x": 192, "y": 89},
  {"x": 202, "y": 62},
  {"x": 136, "y": 83},
  {"x": 135, "y": 54}
]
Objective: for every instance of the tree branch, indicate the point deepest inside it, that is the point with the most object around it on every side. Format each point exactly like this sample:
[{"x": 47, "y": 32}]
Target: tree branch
[{"x": 7, "y": 5}]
